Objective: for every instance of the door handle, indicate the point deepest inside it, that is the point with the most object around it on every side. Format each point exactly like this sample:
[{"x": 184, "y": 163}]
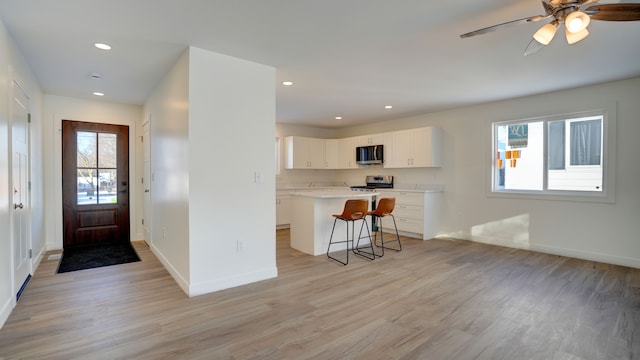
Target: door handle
[
  {"x": 18, "y": 206},
  {"x": 123, "y": 191},
  {"x": 147, "y": 190}
]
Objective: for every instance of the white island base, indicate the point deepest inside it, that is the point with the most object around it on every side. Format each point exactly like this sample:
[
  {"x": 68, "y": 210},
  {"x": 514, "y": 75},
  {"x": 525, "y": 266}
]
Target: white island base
[{"x": 311, "y": 220}]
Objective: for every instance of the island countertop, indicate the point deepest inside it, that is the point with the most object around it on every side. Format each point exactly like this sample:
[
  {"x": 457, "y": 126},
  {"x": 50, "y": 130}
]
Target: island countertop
[
  {"x": 312, "y": 221},
  {"x": 335, "y": 194}
]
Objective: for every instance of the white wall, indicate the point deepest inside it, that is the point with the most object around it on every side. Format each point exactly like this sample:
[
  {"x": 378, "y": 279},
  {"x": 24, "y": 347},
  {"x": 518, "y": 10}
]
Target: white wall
[
  {"x": 14, "y": 66},
  {"x": 597, "y": 231},
  {"x": 58, "y": 108},
  {"x": 209, "y": 120},
  {"x": 168, "y": 111}
]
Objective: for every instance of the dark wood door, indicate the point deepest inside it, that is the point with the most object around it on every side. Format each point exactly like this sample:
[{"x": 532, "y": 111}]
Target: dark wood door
[{"x": 95, "y": 183}]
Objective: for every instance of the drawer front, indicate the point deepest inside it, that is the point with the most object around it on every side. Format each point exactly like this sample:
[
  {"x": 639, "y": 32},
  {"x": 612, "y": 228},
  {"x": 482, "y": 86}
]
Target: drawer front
[
  {"x": 409, "y": 211},
  {"x": 408, "y": 225},
  {"x": 409, "y": 198}
]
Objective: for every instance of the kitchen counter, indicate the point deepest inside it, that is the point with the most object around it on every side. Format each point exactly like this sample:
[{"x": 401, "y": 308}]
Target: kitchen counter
[
  {"x": 311, "y": 220},
  {"x": 335, "y": 194}
]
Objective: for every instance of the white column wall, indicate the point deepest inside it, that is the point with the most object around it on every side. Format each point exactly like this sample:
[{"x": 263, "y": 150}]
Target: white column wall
[
  {"x": 168, "y": 111},
  {"x": 231, "y": 142},
  {"x": 212, "y": 124}
]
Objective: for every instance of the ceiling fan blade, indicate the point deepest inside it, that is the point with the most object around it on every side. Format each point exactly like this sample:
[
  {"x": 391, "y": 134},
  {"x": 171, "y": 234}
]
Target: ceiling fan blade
[
  {"x": 503, "y": 25},
  {"x": 533, "y": 47},
  {"x": 614, "y": 12}
]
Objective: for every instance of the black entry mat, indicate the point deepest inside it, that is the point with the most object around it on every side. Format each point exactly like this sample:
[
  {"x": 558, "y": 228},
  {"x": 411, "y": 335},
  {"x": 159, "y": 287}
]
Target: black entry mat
[{"x": 96, "y": 255}]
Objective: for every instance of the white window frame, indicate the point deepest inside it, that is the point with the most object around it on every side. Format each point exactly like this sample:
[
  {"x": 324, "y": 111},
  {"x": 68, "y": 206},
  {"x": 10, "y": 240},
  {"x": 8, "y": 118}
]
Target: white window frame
[{"x": 608, "y": 160}]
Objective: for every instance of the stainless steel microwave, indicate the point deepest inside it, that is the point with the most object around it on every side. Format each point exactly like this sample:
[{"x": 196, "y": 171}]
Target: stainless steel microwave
[{"x": 371, "y": 154}]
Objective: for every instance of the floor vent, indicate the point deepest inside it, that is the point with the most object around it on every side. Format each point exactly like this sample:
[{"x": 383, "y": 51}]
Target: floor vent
[{"x": 55, "y": 257}]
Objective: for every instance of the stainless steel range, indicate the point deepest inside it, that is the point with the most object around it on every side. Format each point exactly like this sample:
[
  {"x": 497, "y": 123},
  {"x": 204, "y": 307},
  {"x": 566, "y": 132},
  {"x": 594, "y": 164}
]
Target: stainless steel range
[{"x": 374, "y": 182}]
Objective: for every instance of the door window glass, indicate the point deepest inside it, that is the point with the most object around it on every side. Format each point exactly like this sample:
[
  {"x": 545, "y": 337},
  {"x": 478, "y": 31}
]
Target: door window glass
[{"x": 97, "y": 173}]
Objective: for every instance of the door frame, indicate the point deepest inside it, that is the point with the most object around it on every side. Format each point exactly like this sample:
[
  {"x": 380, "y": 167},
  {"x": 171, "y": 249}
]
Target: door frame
[
  {"x": 104, "y": 113},
  {"x": 114, "y": 215},
  {"x": 14, "y": 79}
]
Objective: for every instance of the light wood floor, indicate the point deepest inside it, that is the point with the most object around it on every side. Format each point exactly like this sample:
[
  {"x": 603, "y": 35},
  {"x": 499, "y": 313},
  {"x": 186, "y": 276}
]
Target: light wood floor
[{"x": 438, "y": 299}]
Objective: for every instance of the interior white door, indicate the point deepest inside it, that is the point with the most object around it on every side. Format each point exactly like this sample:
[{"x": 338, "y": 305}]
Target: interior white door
[
  {"x": 19, "y": 110},
  {"x": 146, "y": 180}
]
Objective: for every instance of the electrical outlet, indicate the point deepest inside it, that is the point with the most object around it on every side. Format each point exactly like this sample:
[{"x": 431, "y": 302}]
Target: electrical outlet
[
  {"x": 240, "y": 245},
  {"x": 164, "y": 233}
]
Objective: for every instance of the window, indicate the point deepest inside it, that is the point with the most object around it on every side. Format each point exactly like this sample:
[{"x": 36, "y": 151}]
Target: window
[{"x": 555, "y": 156}]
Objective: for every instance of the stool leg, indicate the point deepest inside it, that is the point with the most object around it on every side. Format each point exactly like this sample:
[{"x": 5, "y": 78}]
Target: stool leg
[
  {"x": 357, "y": 250},
  {"x": 397, "y": 236},
  {"x": 331, "y": 242},
  {"x": 379, "y": 220}
]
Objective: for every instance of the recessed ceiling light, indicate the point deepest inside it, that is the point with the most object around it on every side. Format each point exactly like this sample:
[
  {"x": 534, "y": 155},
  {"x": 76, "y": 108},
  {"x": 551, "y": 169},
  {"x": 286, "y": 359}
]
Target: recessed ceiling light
[
  {"x": 388, "y": 107},
  {"x": 102, "y": 46},
  {"x": 98, "y": 94},
  {"x": 338, "y": 117},
  {"x": 96, "y": 76},
  {"x": 287, "y": 83}
]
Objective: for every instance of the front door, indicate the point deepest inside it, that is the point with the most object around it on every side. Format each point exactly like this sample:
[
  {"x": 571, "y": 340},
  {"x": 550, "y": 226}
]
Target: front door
[
  {"x": 95, "y": 183},
  {"x": 20, "y": 185}
]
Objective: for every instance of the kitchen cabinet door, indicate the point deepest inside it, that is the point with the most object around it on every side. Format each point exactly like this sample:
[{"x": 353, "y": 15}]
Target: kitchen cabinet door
[
  {"x": 283, "y": 211},
  {"x": 402, "y": 149},
  {"x": 426, "y": 147},
  {"x": 332, "y": 154},
  {"x": 347, "y": 153},
  {"x": 316, "y": 153},
  {"x": 304, "y": 153},
  {"x": 415, "y": 148},
  {"x": 375, "y": 139}
]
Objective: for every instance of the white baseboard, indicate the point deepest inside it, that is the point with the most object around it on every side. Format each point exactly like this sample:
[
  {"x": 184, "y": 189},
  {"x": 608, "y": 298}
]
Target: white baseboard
[
  {"x": 175, "y": 274},
  {"x": 216, "y": 284},
  {"x": 230, "y": 282},
  {"x": 37, "y": 260},
  {"x": 553, "y": 250},
  {"x": 7, "y": 307},
  {"x": 585, "y": 255}
]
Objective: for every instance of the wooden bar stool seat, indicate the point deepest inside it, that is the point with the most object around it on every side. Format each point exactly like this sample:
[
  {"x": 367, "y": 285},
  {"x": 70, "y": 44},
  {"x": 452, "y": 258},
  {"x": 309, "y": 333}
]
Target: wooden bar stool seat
[
  {"x": 383, "y": 209},
  {"x": 354, "y": 210}
]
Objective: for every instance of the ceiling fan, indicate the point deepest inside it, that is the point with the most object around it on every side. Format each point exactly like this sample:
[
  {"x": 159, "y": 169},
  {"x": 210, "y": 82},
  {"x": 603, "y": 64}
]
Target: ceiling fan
[{"x": 573, "y": 14}]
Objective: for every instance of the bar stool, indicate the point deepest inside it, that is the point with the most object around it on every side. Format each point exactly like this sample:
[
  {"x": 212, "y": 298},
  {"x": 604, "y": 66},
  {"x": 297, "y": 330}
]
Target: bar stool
[
  {"x": 354, "y": 210},
  {"x": 384, "y": 208}
]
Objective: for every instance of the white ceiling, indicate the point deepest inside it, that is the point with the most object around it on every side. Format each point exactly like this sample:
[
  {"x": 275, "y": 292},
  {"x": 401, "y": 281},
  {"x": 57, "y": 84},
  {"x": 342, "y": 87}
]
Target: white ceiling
[{"x": 347, "y": 58}]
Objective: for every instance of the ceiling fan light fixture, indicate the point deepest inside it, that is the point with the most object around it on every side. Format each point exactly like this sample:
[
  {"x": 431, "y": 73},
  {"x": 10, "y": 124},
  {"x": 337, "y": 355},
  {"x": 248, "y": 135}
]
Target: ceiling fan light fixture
[
  {"x": 545, "y": 34},
  {"x": 573, "y": 38},
  {"x": 577, "y": 21}
]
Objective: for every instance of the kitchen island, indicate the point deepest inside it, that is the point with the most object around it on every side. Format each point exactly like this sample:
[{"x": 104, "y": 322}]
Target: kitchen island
[{"x": 311, "y": 219}]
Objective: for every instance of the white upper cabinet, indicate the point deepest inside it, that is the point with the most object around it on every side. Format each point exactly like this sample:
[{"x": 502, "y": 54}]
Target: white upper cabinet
[
  {"x": 419, "y": 147},
  {"x": 304, "y": 153},
  {"x": 332, "y": 154},
  {"x": 347, "y": 153},
  {"x": 375, "y": 139}
]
